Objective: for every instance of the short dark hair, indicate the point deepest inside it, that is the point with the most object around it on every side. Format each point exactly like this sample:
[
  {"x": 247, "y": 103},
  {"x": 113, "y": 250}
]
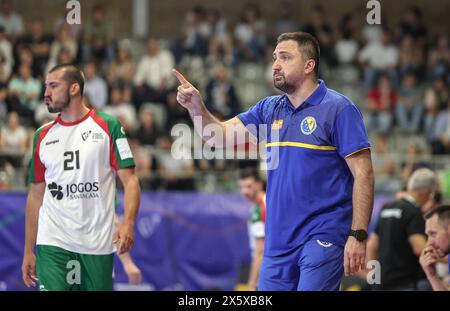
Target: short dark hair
[
  {"x": 249, "y": 173},
  {"x": 443, "y": 212},
  {"x": 308, "y": 45},
  {"x": 72, "y": 74}
]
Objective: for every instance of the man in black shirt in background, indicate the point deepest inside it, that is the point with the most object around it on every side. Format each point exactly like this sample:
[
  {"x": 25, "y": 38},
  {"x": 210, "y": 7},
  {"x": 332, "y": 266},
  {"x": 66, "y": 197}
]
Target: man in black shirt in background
[{"x": 399, "y": 236}]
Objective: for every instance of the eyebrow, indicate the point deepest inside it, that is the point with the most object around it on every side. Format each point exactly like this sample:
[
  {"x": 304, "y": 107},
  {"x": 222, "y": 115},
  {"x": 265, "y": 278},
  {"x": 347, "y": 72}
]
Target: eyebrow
[
  {"x": 51, "y": 83},
  {"x": 281, "y": 53}
]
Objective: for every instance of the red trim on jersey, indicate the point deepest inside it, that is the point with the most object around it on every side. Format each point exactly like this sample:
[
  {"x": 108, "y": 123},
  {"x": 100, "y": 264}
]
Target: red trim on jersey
[
  {"x": 112, "y": 153},
  {"x": 60, "y": 121},
  {"x": 38, "y": 166},
  {"x": 262, "y": 202}
]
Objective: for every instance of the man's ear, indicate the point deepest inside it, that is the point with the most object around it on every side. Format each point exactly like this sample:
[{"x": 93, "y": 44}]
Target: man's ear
[
  {"x": 310, "y": 64},
  {"x": 74, "y": 89}
]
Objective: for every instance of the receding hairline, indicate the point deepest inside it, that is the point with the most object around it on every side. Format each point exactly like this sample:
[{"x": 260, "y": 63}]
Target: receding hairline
[
  {"x": 442, "y": 213},
  {"x": 70, "y": 74}
]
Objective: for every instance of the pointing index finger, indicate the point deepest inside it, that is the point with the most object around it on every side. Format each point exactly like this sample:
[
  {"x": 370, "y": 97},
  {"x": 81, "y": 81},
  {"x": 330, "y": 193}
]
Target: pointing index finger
[{"x": 181, "y": 78}]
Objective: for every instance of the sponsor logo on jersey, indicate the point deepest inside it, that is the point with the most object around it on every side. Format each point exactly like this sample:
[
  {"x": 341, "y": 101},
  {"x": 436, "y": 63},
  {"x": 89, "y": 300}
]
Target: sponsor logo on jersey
[
  {"x": 97, "y": 136},
  {"x": 74, "y": 191},
  {"x": 52, "y": 142},
  {"x": 85, "y": 135},
  {"x": 55, "y": 190},
  {"x": 277, "y": 124}
]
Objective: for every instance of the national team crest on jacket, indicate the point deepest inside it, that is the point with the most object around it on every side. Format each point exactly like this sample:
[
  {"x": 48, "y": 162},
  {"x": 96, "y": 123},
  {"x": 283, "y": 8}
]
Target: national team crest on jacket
[{"x": 308, "y": 125}]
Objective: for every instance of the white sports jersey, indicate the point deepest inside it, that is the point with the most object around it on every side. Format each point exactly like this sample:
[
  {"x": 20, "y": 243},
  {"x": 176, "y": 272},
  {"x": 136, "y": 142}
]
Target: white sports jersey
[{"x": 78, "y": 163}]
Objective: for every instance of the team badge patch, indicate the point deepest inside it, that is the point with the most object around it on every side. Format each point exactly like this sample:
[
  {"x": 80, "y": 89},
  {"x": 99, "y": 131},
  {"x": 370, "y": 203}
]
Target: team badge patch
[{"x": 308, "y": 125}]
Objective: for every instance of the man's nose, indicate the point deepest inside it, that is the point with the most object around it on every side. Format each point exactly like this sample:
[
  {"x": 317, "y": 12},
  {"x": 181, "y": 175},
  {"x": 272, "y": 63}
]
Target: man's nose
[{"x": 275, "y": 65}]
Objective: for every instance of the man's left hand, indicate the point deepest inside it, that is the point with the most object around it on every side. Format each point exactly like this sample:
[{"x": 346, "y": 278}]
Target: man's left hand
[
  {"x": 354, "y": 256},
  {"x": 124, "y": 238}
]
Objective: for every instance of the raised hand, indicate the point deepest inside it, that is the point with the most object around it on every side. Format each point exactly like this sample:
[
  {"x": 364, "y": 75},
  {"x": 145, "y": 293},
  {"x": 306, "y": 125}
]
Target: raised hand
[{"x": 188, "y": 96}]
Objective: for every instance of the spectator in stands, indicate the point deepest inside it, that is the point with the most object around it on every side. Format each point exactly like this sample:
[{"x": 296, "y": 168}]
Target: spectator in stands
[
  {"x": 122, "y": 69},
  {"x": 39, "y": 44},
  {"x": 376, "y": 57},
  {"x": 413, "y": 162},
  {"x": 14, "y": 139},
  {"x": 176, "y": 169},
  {"x": 153, "y": 77},
  {"x": 439, "y": 57},
  {"x": 386, "y": 177},
  {"x": 3, "y": 104},
  {"x": 98, "y": 37},
  {"x": 412, "y": 25},
  {"x": 11, "y": 21},
  {"x": 121, "y": 109},
  {"x": 411, "y": 57},
  {"x": 320, "y": 29},
  {"x": 399, "y": 236},
  {"x": 250, "y": 34},
  {"x": 218, "y": 28},
  {"x": 196, "y": 32},
  {"x": 26, "y": 57},
  {"x": 6, "y": 50},
  {"x": 221, "y": 98},
  {"x": 24, "y": 92},
  {"x": 63, "y": 42},
  {"x": 5, "y": 70},
  {"x": 381, "y": 103},
  {"x": 220, "y": 46},
  {"x": 147, "y": 133},
  {"x": 347, "y": 46},
  {"x": 440, "y": 87},
  {"x": 175, "y": 113},
  {"x": 409, "y": 109},
  {"x": 285, "y": 22},
  {"x": 431, "y": 117},
  {"x": 440, "y": 135},
  {"x": 95, "y": 86},
  {"x": 145, "y": 164},
  {"x": 438, "y": 231}
]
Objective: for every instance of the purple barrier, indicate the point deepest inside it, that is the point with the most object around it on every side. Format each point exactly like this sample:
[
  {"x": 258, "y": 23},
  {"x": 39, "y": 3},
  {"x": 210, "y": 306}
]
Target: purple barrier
[{"x": 183, "y": 241}]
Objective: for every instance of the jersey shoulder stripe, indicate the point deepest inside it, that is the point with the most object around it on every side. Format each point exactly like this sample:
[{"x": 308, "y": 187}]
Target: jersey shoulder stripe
[
  {"x": 37, "y": 169},
  {"x": 120, "y": 153}
]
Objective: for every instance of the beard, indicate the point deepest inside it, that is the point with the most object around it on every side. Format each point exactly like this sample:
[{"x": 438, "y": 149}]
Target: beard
[
  {"x": 283, "y": 85},
  {"x": 60, "y": 105}
]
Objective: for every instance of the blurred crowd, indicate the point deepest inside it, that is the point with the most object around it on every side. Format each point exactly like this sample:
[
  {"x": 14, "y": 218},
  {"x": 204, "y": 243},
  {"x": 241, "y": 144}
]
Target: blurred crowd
[{"x": 399, "y": 77}]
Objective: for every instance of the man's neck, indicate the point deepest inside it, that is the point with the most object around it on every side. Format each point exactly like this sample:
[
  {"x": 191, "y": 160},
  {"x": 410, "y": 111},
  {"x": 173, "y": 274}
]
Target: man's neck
[
  {"x": 303, "y": 92},
  {"x": 74, "y": 112}
]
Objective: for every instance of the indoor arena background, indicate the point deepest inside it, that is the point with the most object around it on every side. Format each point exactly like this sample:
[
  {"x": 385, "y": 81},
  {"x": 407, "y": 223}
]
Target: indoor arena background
[{"x": 191, "y": 231}]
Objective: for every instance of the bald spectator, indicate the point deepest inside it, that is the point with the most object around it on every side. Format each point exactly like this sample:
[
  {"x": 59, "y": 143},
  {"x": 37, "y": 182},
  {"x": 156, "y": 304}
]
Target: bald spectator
[{"x": 399, "y": 237}]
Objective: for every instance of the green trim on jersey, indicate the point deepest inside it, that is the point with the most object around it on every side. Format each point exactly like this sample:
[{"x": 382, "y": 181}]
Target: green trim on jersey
[
  {"x": 31, "y": 177},
  {"x": 117, "y": 132},
  {"x": 257, "y": 214}
]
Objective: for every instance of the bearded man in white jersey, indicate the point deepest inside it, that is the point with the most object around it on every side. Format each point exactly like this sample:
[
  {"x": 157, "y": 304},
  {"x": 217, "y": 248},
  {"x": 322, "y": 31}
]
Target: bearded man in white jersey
[{"x": 70, "y": 205}]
